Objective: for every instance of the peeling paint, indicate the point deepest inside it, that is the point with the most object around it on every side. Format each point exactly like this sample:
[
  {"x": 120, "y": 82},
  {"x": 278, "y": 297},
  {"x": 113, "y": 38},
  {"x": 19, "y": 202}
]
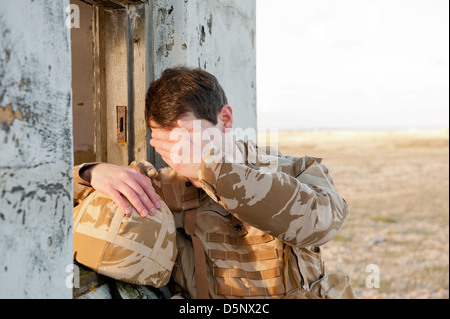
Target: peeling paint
[
  {"x": 170, "y": 45},
  {"x": 202, "y": 35},
  {"x": 7, "y": 115},
  {"x": 253, "y": 39},
  {"x": 23, "y": 83},
  {"x": 209, "y": 24},
  {"x": 134, "y": 14}
]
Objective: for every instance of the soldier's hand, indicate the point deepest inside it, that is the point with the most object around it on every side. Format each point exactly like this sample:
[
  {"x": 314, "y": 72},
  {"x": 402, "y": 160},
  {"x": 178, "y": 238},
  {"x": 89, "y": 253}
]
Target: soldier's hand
[
  {"x": 182, "y": 148},
  {"x": 117, "y": 181}
]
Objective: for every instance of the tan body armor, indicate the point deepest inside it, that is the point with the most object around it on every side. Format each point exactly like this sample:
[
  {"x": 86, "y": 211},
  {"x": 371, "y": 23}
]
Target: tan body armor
[
  {"x": 241, "y": 261},
  {"x": 219, "y": 256}
]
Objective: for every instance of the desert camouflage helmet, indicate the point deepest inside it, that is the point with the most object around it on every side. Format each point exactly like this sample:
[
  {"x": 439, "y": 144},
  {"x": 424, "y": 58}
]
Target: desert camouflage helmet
[{"x": 132, "y": 249}]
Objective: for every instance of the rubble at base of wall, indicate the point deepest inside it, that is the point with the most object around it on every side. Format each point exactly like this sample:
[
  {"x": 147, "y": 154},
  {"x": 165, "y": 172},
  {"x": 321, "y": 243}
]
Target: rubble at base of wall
[{"x": 94, "y": 286}]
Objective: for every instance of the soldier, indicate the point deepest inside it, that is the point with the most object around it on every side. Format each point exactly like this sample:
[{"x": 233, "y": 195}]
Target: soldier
[{"x": 244, "y": 229}]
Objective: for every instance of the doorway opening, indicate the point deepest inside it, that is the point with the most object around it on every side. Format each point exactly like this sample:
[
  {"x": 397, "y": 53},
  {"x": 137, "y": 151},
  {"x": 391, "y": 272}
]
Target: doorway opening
[{"x": 109, "y": 82}]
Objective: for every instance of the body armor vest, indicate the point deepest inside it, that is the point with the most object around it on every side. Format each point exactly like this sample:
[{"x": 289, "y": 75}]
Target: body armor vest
[{"x": 220, "y": 256}]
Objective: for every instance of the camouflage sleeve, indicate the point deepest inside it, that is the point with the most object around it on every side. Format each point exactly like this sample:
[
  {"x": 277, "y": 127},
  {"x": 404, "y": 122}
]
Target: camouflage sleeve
[
  {"x": 304, "y": 211},
  {"x": 81, "y": 188}
]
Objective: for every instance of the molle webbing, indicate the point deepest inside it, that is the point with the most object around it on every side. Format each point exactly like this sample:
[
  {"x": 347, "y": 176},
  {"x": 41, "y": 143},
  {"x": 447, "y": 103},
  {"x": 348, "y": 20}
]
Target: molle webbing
[
  {"x": 244, "y": 258},
  {"x": 234, "y": 291},
  {"x": 238, "y": 241},
  {"x": 253, "y": 275},
  {"x": 199, "y": 255}
]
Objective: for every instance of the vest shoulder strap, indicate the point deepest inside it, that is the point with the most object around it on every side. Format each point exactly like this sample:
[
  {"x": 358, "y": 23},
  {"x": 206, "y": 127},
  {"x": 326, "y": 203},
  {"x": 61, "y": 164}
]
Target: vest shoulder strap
[{"x": 199, "y": 255}]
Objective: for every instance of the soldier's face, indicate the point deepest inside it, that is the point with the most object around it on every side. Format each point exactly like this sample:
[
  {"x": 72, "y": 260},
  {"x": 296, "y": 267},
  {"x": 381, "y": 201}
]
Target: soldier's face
[
  {"x": 191, "y": 133},
  {"x": 183, "y": 145},
  {"x": 185, "y": 137}
]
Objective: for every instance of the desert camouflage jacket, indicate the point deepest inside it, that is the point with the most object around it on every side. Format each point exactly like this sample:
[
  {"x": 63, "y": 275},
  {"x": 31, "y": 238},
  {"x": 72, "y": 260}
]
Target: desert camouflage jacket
[{"x": 260, "y": 228}]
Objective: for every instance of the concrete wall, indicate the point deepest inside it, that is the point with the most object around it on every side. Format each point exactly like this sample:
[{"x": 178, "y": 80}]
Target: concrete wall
[
  {"x": 215, "y": 35},
  {"x": 36, "y": 153}
]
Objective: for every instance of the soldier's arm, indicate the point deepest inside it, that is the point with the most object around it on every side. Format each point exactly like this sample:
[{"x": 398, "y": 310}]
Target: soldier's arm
[
  {"x": 81, "y": 187},
  {"x": 299, "y": 213},
  {"x": 116, "y": 182}
]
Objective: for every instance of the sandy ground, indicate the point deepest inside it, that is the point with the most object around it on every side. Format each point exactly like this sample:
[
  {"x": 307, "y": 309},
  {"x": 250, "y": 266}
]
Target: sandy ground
[{"x": 397, "y": 187}]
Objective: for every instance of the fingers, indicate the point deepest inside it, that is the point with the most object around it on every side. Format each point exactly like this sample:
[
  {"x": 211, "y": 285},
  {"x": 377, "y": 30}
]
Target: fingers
[
  {"x": 119, "y": 201},
  {"x": 140, "y": 193},
  {"x": 147, "y": 187},
  {"x": 161, "y": 144},
  {"x": 119, "y": 182},
  {"x": 167, "y": 157},
  {"x": 143, "y": 188},
  {"x": 165, "y": 150},
  {"x": 161, "y": 135},
  {"x": 136, "y": 200},
  {"x": 153, "y": 197},
  {"x": 173, "y": 135}
]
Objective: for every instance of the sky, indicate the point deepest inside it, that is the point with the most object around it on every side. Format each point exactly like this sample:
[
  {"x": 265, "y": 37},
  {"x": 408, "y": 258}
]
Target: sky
[{"x": 353, "y": 64}]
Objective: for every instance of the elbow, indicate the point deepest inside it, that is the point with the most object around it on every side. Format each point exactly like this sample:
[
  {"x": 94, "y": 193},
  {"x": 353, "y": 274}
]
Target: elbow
[
  {"x": 321, "y": 226},
  {"x": 339, "y": 215}
]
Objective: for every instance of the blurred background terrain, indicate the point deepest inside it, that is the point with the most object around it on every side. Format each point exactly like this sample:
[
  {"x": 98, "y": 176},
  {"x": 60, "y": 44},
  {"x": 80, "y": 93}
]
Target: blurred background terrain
[
  {"x": 397, "y": 187},
  {"x": 365, "y": 85}
]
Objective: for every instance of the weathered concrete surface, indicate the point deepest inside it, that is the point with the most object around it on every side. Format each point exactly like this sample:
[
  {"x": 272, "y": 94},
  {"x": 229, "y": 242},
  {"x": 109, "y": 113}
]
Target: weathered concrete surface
[
  {"x": 215, "y": 35},
  {"x": 36, "y": 154}
]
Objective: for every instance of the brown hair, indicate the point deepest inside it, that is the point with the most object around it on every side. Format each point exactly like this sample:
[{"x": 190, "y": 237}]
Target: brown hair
[{"x": 182, "y": 90}]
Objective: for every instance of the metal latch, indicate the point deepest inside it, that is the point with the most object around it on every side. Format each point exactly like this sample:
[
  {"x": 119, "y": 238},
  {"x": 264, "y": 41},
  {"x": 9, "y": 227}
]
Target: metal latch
[{"x": 122, "y": 123}]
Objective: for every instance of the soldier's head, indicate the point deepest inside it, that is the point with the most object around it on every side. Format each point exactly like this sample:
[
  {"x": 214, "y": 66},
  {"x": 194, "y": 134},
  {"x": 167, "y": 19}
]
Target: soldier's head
[{"x": 183, "y": 93}]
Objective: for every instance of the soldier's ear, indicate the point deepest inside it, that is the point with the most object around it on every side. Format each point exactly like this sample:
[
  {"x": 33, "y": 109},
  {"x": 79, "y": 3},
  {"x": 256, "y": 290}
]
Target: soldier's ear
[{"x": 226, "y": 118}]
